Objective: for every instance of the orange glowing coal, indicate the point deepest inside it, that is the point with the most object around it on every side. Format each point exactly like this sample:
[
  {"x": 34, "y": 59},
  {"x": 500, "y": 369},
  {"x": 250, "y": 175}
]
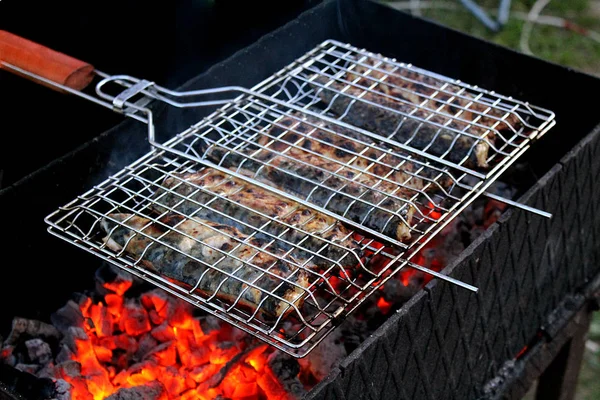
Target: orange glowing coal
[{"x": 182, "y": 361}]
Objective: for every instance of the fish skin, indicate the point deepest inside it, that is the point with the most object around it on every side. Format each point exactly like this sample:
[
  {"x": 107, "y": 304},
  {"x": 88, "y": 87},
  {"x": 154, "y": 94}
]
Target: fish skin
[
  {"x": 453, "y": 103},
  {"x": 242, "y": 208},
  {"x": 171, "y": 263},
  {"x": 432, "y": 139},
  {"x": 315, "y": 161}
]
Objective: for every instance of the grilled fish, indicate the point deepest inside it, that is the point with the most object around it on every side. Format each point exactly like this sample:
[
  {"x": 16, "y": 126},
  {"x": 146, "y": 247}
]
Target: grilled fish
[
  {"x": 252, "y": 210},
  {"x": 376, "y": 111},
  {"x": 326, "y": 167},
  {"x": 215, "y": 246}
]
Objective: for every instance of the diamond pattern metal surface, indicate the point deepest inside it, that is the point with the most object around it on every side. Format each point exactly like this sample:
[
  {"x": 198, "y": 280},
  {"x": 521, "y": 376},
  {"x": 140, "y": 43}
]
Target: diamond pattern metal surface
[{"x": 447, "y": 343}]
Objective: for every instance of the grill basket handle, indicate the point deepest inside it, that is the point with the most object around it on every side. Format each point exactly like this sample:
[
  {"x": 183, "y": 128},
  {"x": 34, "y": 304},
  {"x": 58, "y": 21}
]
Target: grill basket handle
[{"x": 40, "y": 61}]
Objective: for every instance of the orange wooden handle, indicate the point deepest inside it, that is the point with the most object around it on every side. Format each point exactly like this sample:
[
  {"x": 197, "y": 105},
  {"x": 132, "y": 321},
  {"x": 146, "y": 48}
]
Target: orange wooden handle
[{"x": 42, "y": 61}]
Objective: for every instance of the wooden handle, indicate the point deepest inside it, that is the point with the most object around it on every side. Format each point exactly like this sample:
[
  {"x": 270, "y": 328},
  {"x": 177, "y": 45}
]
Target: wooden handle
[{"x": 42, "y": 61}]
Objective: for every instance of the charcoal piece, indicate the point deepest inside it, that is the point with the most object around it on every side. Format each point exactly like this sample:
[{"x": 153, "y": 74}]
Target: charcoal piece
[
  {"x": 29, "y": 368},
  {"x": 163, "y": 332},
  {"x": 67, "y": 316},
  {"x": 38, "y": 351},
  {"x": 150, "y": 391},
  {"x": 64, "y": 353},
  {"x": 48, "y": 371},
  {"x": 286, "y": 369},
  {"x": 210, "y": 323},
  {"x": 164, "y": 354},
  {"x": 73, "y": 334},
  {"x": 112, "y": 279},
  {"x": 354, "y": 331},
  {"x": 135, "y": 320},
  {"x": 7, "y": 355},
  {"x": 146, "y": 344},
  {"x": 102, "y": 320},
  {"x": 31, "y": 328},
  {"x": 395, "y": 292},
  {"x": 156, "y": 299},
  {"x": 70, "y": 368},
  {"x": 63, "y": 390}
]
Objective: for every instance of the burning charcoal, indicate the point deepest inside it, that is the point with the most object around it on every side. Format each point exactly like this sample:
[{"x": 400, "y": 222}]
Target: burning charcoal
[
  {"x": 177, "y": 312},
  {"x": 133, "y": 372},
  {"x": 164, "y": 354},
  {"x": 163, "y": 333},
  {"x": 155, "y": 318},
  {"x": 174, "y": 382},
  {"x": 102, "y": 319},
  {"x": 71, "y": 369},
  {"x": 150, "y": 391},
  {"x": 146, "y": 344},
  {"x": 48, "y": 371},
  {"x": 38, "y": 351},
  {"x": 6, "y": 355},
  {"x": 63, "y": 390},
  {"x": 134, "y": 320},
  {"x": 29, "y": 368},
  {"x": 286, "y": 369},
  {"x": 321, "y": 360},
  {"x": 67, "y": 316},
  {"x": 124, "y": 342},
  {"x": 201, "y": 373},
  {"x": 72, "y": 335},
  {"x": 64, "y": 354},
  {"x": 32, "y": 328},
  {"x": 156, "y": 299},
  {"x": 210, "y": 323},
  {"x": 79, "y": 385},
  {"x": 111, "y": 279},
  {"x": 396, "y": 293}
]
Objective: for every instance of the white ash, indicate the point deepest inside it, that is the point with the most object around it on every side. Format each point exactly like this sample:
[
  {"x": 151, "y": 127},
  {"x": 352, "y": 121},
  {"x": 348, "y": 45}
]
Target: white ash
[
  {"x": 38, "y": 351},
  {"x": 63, "y": 390}
]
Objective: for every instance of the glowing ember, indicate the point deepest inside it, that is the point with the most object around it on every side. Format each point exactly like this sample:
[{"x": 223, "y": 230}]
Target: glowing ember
[{"x": 188, "y": 364}]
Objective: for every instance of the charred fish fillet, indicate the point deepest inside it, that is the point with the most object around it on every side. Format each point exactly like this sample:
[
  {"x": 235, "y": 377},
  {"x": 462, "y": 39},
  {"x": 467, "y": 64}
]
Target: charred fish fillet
[
  {"x": 308, "y": 234},
  {"x": 312, "y": 161},
  {"x": 216, "y": 246},
  {"x": 449, "y": 131},
  {"x": 453, "y": 105}
]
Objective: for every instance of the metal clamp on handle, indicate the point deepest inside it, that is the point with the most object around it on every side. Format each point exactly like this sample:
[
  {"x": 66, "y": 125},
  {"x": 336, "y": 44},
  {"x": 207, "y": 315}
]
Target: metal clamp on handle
[{"x": 130, "y": 92}]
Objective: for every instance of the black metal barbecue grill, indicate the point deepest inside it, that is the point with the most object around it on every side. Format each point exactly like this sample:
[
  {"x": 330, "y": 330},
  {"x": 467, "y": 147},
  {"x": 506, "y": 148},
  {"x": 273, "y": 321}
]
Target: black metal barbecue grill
[
  {"x": 407, "y": 211},
  {"x": 519, "y": 265}
]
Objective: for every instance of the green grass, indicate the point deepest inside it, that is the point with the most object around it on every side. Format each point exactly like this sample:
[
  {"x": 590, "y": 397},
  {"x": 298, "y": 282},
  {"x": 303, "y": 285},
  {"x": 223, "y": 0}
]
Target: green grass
[
  {"x": 559, "y": 46},
  {"x": 547, "y": 42}
]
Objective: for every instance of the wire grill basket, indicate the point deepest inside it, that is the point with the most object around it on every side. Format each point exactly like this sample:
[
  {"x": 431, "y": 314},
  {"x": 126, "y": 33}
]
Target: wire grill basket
[{"x": 283, "y": 210}]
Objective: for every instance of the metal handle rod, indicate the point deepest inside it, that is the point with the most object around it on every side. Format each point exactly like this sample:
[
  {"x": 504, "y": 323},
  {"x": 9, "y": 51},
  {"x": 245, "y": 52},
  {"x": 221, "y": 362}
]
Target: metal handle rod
[
  {"x": 516, "y": 204},
  {"x": 443, "y": 277}
]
